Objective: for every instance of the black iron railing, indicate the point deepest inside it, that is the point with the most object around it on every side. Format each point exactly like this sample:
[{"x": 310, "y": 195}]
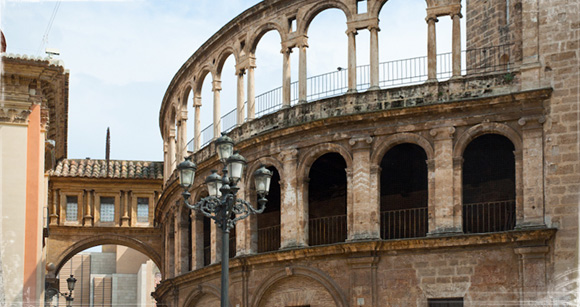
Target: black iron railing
[
  {"x": 405, "y": 223},
  {"x": 268, "y": 239},
  {"x": 327, "y": 230},
  {"x": 489, "y": 217},
  {"x": 391, "y": 74}
]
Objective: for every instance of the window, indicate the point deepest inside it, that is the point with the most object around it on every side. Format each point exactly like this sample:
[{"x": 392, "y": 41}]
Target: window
[
  {"x": 72, "y": 208},
  {"x": 445, "y": 302},
  {"x": 142, "y": 210},
  {"x": 107, "y": 209}
]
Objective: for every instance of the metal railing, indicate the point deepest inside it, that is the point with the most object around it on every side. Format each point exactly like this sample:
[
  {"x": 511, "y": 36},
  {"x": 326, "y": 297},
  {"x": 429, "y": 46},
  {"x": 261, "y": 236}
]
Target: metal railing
[
  {"x": 489, "y": 217},
  {"x": 327, "y": 230},
  {"x": 405, "y": 223},
  {"x": 391, "y": 74},
  {"x": 269, "y": 239}
]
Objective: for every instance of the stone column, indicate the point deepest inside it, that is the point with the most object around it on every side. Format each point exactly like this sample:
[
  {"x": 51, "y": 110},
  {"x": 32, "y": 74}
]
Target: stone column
[
  {"x": 197, "y": 123},
  {"x": 533, "y": 273},
  {"x": 251, "y": 89},
  {"x": 178, "y": 143},
  {"x": 456, "y": 42},
  {"x": 293, "y": 213},
  {"x": 431, "y": 49},
  {"x": 166, "y": 160},
  {"x": 217, "y": 121},
  {"x": 171, "y": 151},
  {"x": 286, "y": 78},
  {"x": 196, "y": 240},
  {"x": 90, "y": 202},
  {"x": 302, "y": 74},
  {"x": 178, "y": 241},
  {"x": 240, "y": 98},
  {"x": 363, "y": 215},
  {"x": 54, "y": 207},
  {"x": 374, "y": 58},
  {"x": 183, "y": 133},
  {"x": 351, "y": 60},
  {"x": 443, "y": 216},
  {"x": 533, "y": 162}
]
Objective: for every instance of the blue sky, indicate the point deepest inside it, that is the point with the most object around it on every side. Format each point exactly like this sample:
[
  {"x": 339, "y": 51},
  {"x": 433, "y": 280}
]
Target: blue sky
[{"x": 123, "y": 54}]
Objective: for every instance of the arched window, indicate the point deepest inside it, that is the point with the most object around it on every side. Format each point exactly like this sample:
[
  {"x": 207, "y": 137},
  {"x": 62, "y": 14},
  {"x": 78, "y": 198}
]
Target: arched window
[
  {"x": 489, "y": 185},
  {"x": 269, "y": 220},
  {"x": 404, "y": 195},
  {"x": 327, "y": 200}
]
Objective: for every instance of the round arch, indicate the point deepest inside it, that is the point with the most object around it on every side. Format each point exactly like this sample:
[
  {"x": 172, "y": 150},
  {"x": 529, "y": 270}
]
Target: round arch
[
  {"x": 93, "y": 241},
  {"x": 267, "y": 161},
  {"x": 377, "y": 6},
  {"x": 222, "y": 58},
  {"x": 200, "y": 78},
  {"x": 261, "y": 31},
  {"x": 317, "y": 151},
  {"x": 391, "y": 141},
  {"x": 311, "y": 273},
  {"x": 184, "y": 95},
  {"x": 313, "y": 11},
  {"x": 486, "y": 128},
  {"x": 201, "y": 291}
]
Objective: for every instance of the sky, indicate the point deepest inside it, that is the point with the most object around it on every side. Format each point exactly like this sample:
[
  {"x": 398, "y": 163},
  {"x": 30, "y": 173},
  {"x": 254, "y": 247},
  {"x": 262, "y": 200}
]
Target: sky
[{"x": 122, "y": 56}]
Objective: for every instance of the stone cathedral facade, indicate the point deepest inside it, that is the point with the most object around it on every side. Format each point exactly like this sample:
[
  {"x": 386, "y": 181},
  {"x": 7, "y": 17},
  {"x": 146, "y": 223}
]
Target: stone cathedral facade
[{"x": 456, "y": 185}]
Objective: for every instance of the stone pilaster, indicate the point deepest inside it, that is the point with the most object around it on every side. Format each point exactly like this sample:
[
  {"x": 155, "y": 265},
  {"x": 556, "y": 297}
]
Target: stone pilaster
[
  {"x": 456, "y": 44},
  {"x": 54, "y": 207},
  {"x": 363, "y": 280},
  {"x": 246, "y": 228},
  {"x": 531, "y": 66},
  {"x": 443, "y": 196},
  {"x": 196, "y": 240},
  {"x": 125, "y": 208},
  {"x": 90, "y": 207},
  {"x": 178, "y": 241},
  {"x": 533, "y": 174},
  {"x": 363, "y": 215},
  {"x": 533, "y": 274},
  {"x": 293, "y": 213}
]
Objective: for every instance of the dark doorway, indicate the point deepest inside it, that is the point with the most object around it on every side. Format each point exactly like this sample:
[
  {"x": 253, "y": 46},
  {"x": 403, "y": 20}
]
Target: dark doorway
[{"x": 269, "y": 220}]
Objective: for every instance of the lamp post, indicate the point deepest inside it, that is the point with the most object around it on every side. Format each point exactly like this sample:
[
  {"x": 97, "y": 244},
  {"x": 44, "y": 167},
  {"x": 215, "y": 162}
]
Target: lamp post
[
  {"x": 50, "y": 292},
  {"x": 221, "y": 205}
]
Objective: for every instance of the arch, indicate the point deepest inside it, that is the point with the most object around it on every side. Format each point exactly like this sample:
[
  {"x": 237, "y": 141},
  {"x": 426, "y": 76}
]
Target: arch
[
  {"x": 316, "y": 9},
  {"x": 317, "y": 151},
  {"x": 184, "y": 95},
  {"x": 391, "y": 141},
  {"x": 486, "y": 128},
  {"x": 263, "y": 29},
  {"x": 311, "y": 273},
  {"x": 93, "y": 241},
  {"x": 266, "y": 161},
  {"x": 376, "y": 8},
  {"x": 200, "y": 78},
  {"x": 201, "y": 291},
  {"x": 223, "y": 56}
]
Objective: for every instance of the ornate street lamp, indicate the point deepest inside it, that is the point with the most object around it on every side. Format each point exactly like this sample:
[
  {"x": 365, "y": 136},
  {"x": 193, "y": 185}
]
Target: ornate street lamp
[
  {"x": 221, "y": 205},
  {"x": 50, "y": 292}
]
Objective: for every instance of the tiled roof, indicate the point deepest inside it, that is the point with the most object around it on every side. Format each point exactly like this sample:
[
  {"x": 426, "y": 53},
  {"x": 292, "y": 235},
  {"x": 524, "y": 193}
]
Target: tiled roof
[{"x": 90, "y": 168}]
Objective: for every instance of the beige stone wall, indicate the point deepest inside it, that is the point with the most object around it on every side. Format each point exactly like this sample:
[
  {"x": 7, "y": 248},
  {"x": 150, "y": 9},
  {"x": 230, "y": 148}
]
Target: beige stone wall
[{"x": 13, "y": 143}]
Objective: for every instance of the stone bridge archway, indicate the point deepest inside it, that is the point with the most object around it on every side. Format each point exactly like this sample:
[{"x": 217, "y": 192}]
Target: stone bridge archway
[{"x": 64, "y": 242}]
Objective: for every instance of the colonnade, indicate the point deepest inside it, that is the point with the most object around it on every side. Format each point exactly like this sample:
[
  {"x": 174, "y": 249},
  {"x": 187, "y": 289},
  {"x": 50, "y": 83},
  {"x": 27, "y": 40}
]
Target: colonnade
[{"x": 244, "y": 54}]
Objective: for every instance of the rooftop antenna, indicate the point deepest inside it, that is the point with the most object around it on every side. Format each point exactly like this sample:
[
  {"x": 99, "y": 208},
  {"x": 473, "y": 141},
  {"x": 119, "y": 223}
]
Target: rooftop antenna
[{"x": 108, "y": 149}]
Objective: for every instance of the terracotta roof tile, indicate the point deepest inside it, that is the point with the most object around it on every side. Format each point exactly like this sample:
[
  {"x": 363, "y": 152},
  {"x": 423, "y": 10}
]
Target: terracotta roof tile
[{"x": 90, "y": 168}]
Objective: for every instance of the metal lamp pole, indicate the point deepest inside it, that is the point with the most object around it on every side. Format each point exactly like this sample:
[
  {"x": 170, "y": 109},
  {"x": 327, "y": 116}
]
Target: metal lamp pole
[{"x": 221, "y": 205}]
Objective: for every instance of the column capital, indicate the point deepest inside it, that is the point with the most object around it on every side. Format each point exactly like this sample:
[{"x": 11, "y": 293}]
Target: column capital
[
  {"x": 531, "y": 122},
  {"x": 431, "y": 19},
  {"x": 360, "y": 142},
  {"x": 351, "y": 31},
  {"x": 183, "y": 115},
  {"x": 216, "y": 85},
  {"x": 288, "y": 155},
  {"x": 457, "y": 161},
  {"x": 374, "y": 28},
  {"x": 430, "y": 165},
  {"x": 286, "y": 50},
  {"x": 442, "y": 133},
  {"x": 197, "y": 101},
  {"x": 530, "y": 252}
]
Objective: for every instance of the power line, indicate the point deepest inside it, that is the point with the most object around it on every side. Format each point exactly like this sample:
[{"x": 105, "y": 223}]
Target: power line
[{"x": 44, "y": 40}]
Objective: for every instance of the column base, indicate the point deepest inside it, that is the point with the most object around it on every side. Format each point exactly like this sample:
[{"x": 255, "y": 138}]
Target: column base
[
  {"x": 53, "y": 219},
  {"x": 302, "y": 101},
  {"x": 88, "y": 220},
  {"x": 352, "y": 91},
  {"x": 125, "y": 221},
  {"x": 374, "y": 88}
]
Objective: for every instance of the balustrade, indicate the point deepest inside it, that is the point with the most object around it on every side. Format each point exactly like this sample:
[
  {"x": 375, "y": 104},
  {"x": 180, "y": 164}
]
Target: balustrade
[{"x": 489, "y": 217}]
